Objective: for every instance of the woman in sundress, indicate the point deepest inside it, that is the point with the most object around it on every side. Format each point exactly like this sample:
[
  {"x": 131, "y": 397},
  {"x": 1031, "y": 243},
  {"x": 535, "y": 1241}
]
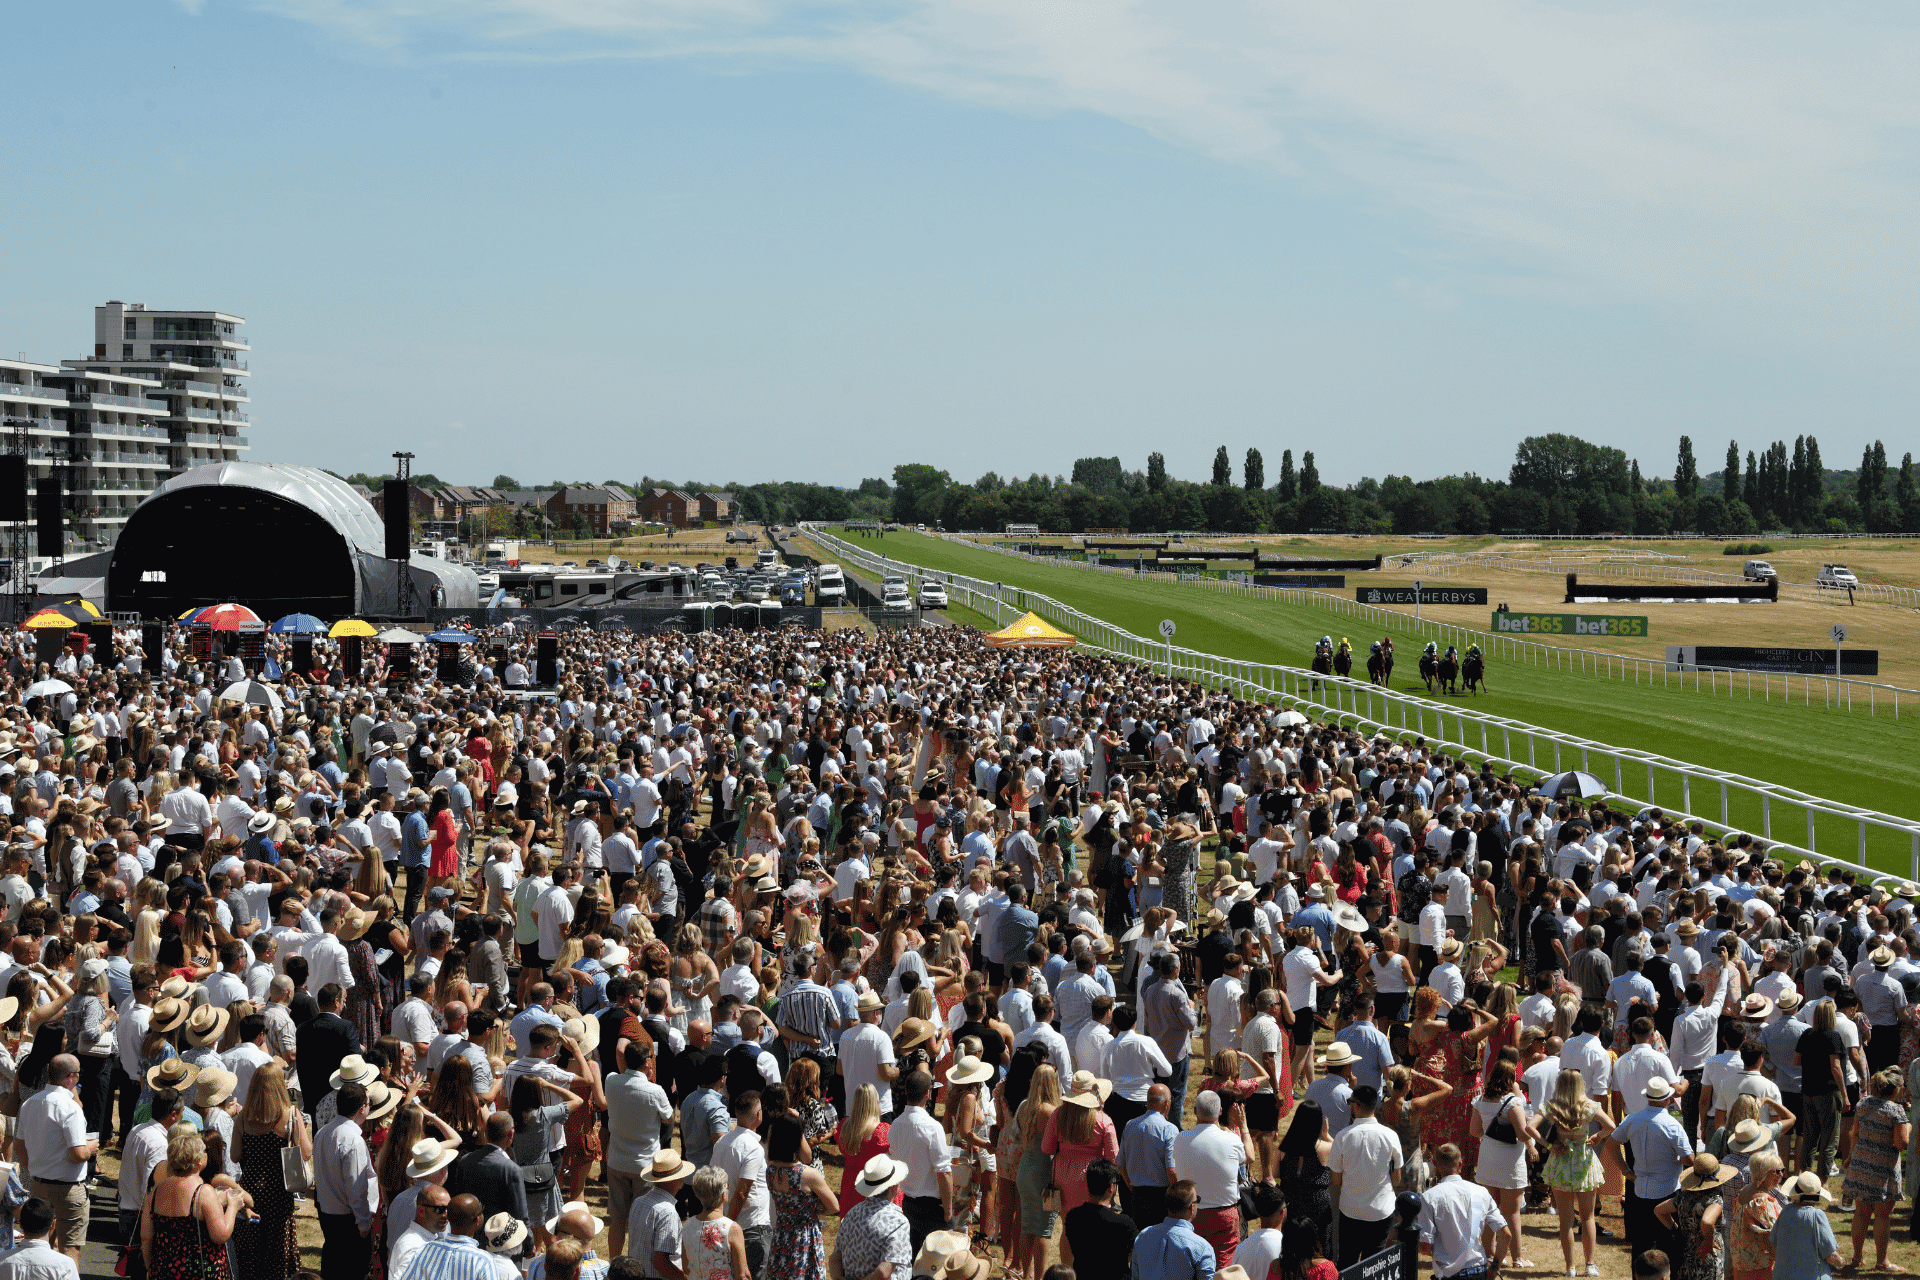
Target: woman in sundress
[
  {"x": 1573, "y": 1127},
  {"x": 1880, "y": 1134},
  {"x": 1449, "y": 1049},
  {"x": 1693, "y": 1215},
  {"x": 800, "y": 1195}
]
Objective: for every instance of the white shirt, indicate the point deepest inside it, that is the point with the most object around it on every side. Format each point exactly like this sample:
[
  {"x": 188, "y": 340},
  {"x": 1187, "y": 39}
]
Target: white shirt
[
  {"x": 1537, "y": 1011},
  {"x": 412, "y": 1022},
  {"x": 1365, "y": 1154},
  {"x": 863, "y": 1051},
  {"x": 553, "y": 913},
  {"x": 1634, "y": 1068},
  {"x": 1590, "y": 1058},
  {"x": 1211, "y": 1158},
  {"x": 50, "y": 1122},
  {"x": 1223, "y": 1014},
  {"x": 1131, "y": 1062},
  {"x": 38, "y": 1260},
  {"x": 920, "y": 1143},
  {"x": 739, "y": 1155},
  {"x": 1057, "y": 1052},
  {"x": 1090, "y": 1049},
  {"x": 1299, "y": 967},
  {"x": 1452, "y": 1219},
  {"x": 1447, "y": 979}
]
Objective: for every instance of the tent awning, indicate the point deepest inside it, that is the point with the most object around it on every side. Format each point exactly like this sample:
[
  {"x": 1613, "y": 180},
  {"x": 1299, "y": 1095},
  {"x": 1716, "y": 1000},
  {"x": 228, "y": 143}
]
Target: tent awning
[{"x": 1031, "y": 632}]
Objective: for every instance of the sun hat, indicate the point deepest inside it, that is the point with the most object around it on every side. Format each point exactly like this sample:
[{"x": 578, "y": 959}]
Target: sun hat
[
  {"x": 168, "y": 1013},
  {"x": 1348, "y": 917},
  {"x": 1686, "y": 929},
  {"x": 912, "y": 1032},
  {"x": 1317, "y": 893},
  {"x": 868, "y": 1002},
  {"x": 354, "y": 1069},
  {"x": 261, "y": 823},
  {"x": 1088, "y": 1090},
  {"x": 383, "y": 1100},
  {"x": 176, "y": 987},
  {"x": 882, "y": 1173},
  {"x": 1707, "y": 1172},
  {"x": 1880, "y": 957},
  {"x": 615, "y": 955},
  {"x": 206, "y": 1025},
  {"x": 430, "y": 1157},
  {"x": 939, "y": 1247},
  {"x": 1756, "y": 1006},
  {"x": 669, "y": 1165},
  {"x": 584, "y": 1032},
  {"x": 1750, "y": 1136},
  {"x": 1659, "y": 1090},
  {"x": 1451, "y": 947},
  {"x": 1339, "y": 1054},
  {"x": 1807, "y": 1188},
  {"x": 969, "y": 1070},
  {"x": 503, "y": 1233},
  {"x": 570, "y": 1206},
  {"x": 214, "y": 1087},
  {"x": 174, "y": 1073},
  {"x": 1789, "y": 1001},
  {"x": 9, "y": 1005}
]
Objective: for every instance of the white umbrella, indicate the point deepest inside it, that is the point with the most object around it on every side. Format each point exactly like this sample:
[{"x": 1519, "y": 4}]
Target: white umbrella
[
  {"x": 1289, "y": 719},
  {"x": 253, "y": 692},
  {"x": 399, "y": 635},
  {"x": 47, "y": 689}
]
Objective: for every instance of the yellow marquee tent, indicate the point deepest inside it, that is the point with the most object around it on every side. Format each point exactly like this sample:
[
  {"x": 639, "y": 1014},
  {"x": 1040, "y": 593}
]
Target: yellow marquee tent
[{"x": 1031, "y": 632}]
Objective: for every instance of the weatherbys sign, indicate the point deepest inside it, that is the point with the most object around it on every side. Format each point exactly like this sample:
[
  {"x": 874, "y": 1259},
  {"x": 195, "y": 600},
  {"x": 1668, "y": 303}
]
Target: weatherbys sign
[
  {"x": 1812, "y": 662},
  {"x": 1427, "y": 595},
  {"x": 1567, "y": 624}
]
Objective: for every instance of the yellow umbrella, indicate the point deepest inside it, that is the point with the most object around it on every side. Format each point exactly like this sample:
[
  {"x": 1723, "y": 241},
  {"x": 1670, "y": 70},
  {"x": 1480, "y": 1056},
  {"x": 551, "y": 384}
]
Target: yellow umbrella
[
  {"x": 353, "y": 627},
  {"x": 1031, "y": 632},
  {"x": 88, "y": 606},
  {"x": 49, "y": 620}
]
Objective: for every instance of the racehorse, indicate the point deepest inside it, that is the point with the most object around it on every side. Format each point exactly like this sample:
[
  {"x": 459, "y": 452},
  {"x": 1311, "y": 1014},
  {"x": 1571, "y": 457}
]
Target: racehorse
[
  {"x": 1449, "y": 671},
  {"x": 1376, "y": 666},
  {"x": 1429, "y": 666},
  {"x": 1323, "y": 659},
  {"x": 1343, "y": 659},
  {"x": 1474, "y": 671},
  {"x": 1386, "y": 660}
]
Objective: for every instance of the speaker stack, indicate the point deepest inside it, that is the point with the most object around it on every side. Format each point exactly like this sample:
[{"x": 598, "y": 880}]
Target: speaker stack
[
  {"x": 395, "y": 516},
  {"x": 546, "y": 665},
  {"x": 50, "y": 513}
]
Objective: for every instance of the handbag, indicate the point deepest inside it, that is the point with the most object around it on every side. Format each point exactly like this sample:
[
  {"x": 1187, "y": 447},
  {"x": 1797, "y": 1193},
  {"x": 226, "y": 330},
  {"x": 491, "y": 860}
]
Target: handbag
[{"x": 296, "y": 1170}]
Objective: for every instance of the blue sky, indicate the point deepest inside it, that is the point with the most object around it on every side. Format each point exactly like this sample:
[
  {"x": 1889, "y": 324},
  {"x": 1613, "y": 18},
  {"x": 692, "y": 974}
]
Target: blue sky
[{"x": 749, "y": 239}]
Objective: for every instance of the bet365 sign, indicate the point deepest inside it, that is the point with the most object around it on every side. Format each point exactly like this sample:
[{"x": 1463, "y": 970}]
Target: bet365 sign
[{"x": 1568, "y": 624}]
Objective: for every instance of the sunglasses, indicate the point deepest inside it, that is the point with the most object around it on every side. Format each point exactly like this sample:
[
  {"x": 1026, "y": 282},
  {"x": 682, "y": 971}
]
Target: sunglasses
[{"x": 440, "y": 1209}]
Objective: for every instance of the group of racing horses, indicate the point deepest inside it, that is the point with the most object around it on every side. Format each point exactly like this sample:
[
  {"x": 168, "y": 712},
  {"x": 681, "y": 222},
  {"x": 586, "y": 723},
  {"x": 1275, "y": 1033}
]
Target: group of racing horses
[{"x": 1448, "y": 669}]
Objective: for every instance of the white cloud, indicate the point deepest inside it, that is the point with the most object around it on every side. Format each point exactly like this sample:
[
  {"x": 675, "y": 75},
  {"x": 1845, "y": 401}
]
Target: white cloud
[{"x": 1740, "y": 166}]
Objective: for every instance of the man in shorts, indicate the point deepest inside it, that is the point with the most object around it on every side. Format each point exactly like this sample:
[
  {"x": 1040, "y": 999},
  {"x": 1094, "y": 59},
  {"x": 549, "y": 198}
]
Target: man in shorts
[{"x": 1260, "y": 1042}]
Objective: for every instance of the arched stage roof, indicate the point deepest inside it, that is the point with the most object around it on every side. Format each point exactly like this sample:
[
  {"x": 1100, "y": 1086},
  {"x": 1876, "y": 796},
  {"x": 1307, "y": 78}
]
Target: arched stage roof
[{"x": 279, "y": 539}]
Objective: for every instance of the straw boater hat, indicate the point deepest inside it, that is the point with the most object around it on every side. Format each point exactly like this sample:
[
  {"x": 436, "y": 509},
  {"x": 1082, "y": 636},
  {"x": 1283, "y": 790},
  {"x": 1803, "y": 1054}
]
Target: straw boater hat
[
  {"x": 969, "y": 1070},
  {"x": 206, "y": 1025},
  {"x": 1451, "y": 947},
  {"x": 261, "y": 822},
  {"x": 503, "y": 1233},
  {"x": 912, "y": 1032},
  {"x": 1088, "y": 1090},
  {"x": 168, "y": 1013},
  {"x": 9, "y": 1005},
  {"x": 429, "y": 1158},
  {"x": 1707, "y": 1172},
  {"x": 868, "y": 1002},
  {"x": 1807, "y": 1188},
  {"x": 174, "y": 1073},
  {"x": 354, "y": 1069},
  {"x": 214, "y": 1087},
  {"x": 1756, "y": 1006},
  {"x": 569, "y": 1207},
  {"x": 1659, "y": 1090},
  {"x": 1750, "y": 1136},
  {"x": 382, "y": 1100},
  {"x": 1686, "y": 929},
  {"x": 669, "y": 1166},
  {"x": 1880, "y": 957},
  {"x": 1789, "y": 1001},
  {"x": 1339, "y": 1054},
  {"x": 176, "y": 987},
  {"x": 882, "y": 1173}
]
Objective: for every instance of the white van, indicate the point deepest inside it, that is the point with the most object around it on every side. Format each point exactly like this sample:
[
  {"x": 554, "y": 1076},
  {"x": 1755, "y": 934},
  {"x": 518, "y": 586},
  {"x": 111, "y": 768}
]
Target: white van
[
  {"x": 829, "y": 586},
  {"x": 1758, "y": 571}
]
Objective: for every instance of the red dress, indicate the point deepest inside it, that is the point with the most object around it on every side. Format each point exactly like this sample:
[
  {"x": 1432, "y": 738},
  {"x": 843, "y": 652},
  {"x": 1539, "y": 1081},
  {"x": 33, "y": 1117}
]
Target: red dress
[
  {"x": 875, "y": 1145},
  {"x": 445, "y": 836},
  {"x": 1070, "y": 1161}
]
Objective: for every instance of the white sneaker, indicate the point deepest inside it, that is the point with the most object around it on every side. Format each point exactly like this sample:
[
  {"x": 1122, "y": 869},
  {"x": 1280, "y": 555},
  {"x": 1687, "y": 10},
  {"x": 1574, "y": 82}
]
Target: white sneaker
[{"x": 1592, "y": 1270}]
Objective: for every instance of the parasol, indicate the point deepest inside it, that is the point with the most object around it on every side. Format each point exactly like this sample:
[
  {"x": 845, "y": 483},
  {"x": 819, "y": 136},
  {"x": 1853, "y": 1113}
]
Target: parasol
[
  {"x": 349, "y": 627},
  {"x": 1563, "y": 786},
  {"x": 47, "y": 689},
  {"x": 298, "y": 624},
  {"x": 400, "y": 635},
  {"x": 227, "y": 617},
  {"x": 252, "y": 692}
]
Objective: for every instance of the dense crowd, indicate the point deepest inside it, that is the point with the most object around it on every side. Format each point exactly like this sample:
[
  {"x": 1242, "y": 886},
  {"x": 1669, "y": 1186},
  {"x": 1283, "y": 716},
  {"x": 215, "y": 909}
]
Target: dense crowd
[{"x": 764, "y": 939}]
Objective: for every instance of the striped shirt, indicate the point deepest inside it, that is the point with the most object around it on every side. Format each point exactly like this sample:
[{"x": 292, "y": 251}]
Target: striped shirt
[
  {"x": 810, "y": 1010},
  {"x": 451, "y": 1258}
]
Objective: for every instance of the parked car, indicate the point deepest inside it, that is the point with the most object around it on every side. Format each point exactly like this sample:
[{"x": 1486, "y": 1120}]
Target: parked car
[
  {"x": 1837, "y": 576},
  {"x": 895, "y": 597},
  {"x": 1758, "y": 571},
  {"x": 932, "y": 596}
]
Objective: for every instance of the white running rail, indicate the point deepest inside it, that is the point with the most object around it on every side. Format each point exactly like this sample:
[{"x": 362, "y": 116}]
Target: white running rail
[
  {"x": 1634, "y": 569},
  {"x": 1508, "y": 743}
]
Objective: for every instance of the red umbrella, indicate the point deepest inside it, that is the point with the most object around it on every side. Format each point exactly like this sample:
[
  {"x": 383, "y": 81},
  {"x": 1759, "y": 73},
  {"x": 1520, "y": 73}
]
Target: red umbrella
[{"x": 227, "y": 617}]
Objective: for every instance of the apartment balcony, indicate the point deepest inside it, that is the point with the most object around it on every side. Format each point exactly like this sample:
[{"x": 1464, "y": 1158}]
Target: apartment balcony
[
  {"x": 198, "y": 362},
  {"x": 111, "y": 486},
  {"x": 212, "y": 415},
  {"x": 202, "y": 337},
  {"x": 20, "y": 390},
  {"x": 101, "y": 399},
  {"x": 139, "y": 431},
  {"x": 237, "y": 442},
  {"x": 115, "y": 458}
]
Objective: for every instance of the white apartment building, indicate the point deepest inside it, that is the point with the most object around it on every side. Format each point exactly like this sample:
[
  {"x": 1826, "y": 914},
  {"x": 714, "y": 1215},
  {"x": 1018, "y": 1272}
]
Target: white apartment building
[
  {"x": 99, "y": 434},
  {"x": 161, "y": 393}
]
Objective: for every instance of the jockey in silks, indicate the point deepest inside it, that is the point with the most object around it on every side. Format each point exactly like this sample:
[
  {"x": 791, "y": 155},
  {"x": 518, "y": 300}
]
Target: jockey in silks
[
  {"x": 1323, "y": 659},
  {"x": 1343, "y": 657}
]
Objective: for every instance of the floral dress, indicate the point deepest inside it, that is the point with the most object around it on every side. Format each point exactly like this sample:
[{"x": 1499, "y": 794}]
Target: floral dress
[
  {"x": 182, "y": 1250},
  {"x": 1574, "y": 1165},
  {"x": 1873, "y": 1174},
  {"x": 1753, "y": 1233},
  {"x": 1180, "y": 857},
  {"x": 1353, "y": 967},
  {"x": 1688, "y": 1208},
  {"x": 1451, "y": 1058},
  {"x": 798, "y": 1251},
  {"x": 705, "y": 1251},
  {"x": 366, "y": 1003}
]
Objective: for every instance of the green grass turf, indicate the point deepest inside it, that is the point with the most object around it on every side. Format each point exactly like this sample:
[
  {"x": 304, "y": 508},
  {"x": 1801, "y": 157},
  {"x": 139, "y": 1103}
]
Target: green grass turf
[{"x": 1846, "y": 756}]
